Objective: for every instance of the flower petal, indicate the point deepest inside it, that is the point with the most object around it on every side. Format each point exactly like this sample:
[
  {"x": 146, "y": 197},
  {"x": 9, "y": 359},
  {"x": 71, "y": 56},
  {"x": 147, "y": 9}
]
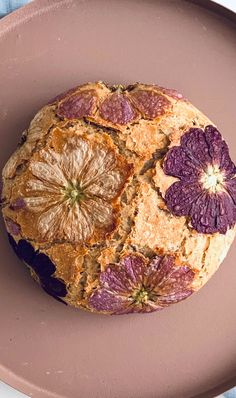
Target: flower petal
[
  {"x": 76, "y": 224},
  {"x": 100, "y": 212},
  {"x": 230, "y": 186},
  {"x": 162, "y": 280},
  {"x": 13, "y": 227},
  {"x": 177, "y": 281},
  {"x": 78, "y": 105},
  {"x": 100, "y": 163},
  {"x": 53, "y": 286},
  {"x": 40, "y": 203},
  {"x": 150, "y": 103},
  {"x": 26, "y": 251},
  {"x": 103, "y": 300},
  {"x": 208, "y": 147},
  {"x": 214, "y": 142},
  {"x": 49, "y": 173},
  {"x": 212, "y": 213},
  {"x": 169, "y": 281},
  {"x": 196, "y": 144},
  {"x": 226, "y": 165},
  {"x": 125, "y": 277},
  {"x": 171, "y": 92},
  {"x": 74, "y": 162},
  {"x": 13, "y": 245},
  {"x": 41, "y": 186},
  {"x": 180, "y": 163},
  {"x": 61, "y": 221},
  {"x": 175, "y": 297},
  {"x": 146, "y": 308},
  {"x": 49, "y": 222},
  {"x": 135, "y": 268},
  {"x": 180, "y": 197},
  {"x": 219, "y": 152},
  {"x": 63, "y": 95},
  {"x": 117, "y": 109},
  {"x": 116, "y": 280},
  {"x": 42, "y": 265},
  {"x": 107, "y": 186},
  {"x": 158, "y": 270}
]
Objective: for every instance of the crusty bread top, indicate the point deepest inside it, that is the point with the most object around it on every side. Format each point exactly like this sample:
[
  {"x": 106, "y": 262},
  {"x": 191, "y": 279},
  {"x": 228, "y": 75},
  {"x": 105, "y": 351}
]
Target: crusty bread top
[{"x": 89, "y": 186}]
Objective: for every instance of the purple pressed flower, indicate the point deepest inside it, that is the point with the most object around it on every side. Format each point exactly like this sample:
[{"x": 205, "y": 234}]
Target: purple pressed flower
[
  {"x": 13, "y": 227},
  {"x": 42, "y": 266},
  {"x": 53, "y": 286},
  {"x": 78, "y": 105},
  {"x": 138, "y": 285},
  {"x": 13, "y": 244},
  {"x": 206, "y": 190},
  {"x": 150, "y": 103},
  {"x": 18, "y": 204},
  {"x": 117, "y": 109},
  {"x": 39, "y": 262},
  {"x": 25, "y": 251}
]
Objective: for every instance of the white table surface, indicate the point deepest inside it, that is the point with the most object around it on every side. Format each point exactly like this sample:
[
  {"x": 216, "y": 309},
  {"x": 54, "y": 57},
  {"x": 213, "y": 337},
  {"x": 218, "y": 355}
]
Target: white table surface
[{"x": 8, "y": 392}]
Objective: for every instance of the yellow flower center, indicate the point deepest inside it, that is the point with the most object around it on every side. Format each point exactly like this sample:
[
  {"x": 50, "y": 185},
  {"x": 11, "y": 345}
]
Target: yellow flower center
[
  {"x": 141, "y": 296},
  {"x": 213, "y": 179},
  {"x": 73, "y": 192}
]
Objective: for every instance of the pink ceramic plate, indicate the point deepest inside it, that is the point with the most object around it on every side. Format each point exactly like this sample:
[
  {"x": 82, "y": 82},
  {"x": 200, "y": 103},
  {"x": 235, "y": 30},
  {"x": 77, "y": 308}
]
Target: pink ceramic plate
[{"x": 46, "y": 349}]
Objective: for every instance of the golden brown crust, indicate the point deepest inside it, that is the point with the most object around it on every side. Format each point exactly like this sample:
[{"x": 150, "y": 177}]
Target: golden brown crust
[{"x": 119, "y": 206}]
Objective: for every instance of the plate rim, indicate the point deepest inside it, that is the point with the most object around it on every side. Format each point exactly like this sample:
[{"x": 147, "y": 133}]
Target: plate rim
[{"x": 9, "y": 23}]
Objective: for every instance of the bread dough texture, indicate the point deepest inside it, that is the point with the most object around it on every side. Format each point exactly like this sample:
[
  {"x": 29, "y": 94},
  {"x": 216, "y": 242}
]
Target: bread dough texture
[{"x": 120, "y": 199}]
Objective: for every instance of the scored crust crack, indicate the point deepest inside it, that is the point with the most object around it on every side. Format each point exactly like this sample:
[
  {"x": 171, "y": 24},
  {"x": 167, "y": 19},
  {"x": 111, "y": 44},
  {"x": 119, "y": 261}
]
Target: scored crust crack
[{"x": 120, "y": 199}]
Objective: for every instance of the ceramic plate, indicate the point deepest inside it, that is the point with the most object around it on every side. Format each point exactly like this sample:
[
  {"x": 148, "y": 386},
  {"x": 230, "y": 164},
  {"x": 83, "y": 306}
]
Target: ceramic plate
[{"x": 46, "y": 349}]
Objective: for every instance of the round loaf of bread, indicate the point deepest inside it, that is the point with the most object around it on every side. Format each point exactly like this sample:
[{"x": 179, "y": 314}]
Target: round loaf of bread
[{"x": 120, "y": 199}]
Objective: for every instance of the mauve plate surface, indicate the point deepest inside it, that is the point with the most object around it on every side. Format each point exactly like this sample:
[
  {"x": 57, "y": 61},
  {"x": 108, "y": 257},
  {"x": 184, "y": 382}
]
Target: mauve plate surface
[{"x": 46, "y": 349}]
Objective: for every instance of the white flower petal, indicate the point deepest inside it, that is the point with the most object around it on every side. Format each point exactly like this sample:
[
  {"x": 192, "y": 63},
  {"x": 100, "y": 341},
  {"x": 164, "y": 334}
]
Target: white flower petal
[
  {"x": 64, "y": 214},
  {"x": 37, "y": 185},
  {"x": 39, "y": 203},
  {"x": 49, "y": 173},
  {"x": 100, "y": 212},
  {"x": 49, "y": 222},
  {"x": 78, "y": 225},
  {"x": 101, "y": 162},
  {"x": 73, "y": 162},
  {"x": 107, "y": 186}
]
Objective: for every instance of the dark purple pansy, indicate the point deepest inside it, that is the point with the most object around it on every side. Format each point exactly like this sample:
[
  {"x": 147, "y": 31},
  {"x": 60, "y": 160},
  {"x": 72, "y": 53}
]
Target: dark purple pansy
[
  {"x": 206, "y": 190},
  {"x": 78, "y": 105},
  {"x": 42, "y": 266},
  {"x": 141, "y": 286},
  {"x": 117, "y": 109},
  {"x": 53, "y": 295},
  {"x": 54, "y": 286},
  {"x": 13, "y": 244},
  {"x": 39, "y": 262},
  {"x": 150, "y": 103},
  {"x": 26, "y": 251}
]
